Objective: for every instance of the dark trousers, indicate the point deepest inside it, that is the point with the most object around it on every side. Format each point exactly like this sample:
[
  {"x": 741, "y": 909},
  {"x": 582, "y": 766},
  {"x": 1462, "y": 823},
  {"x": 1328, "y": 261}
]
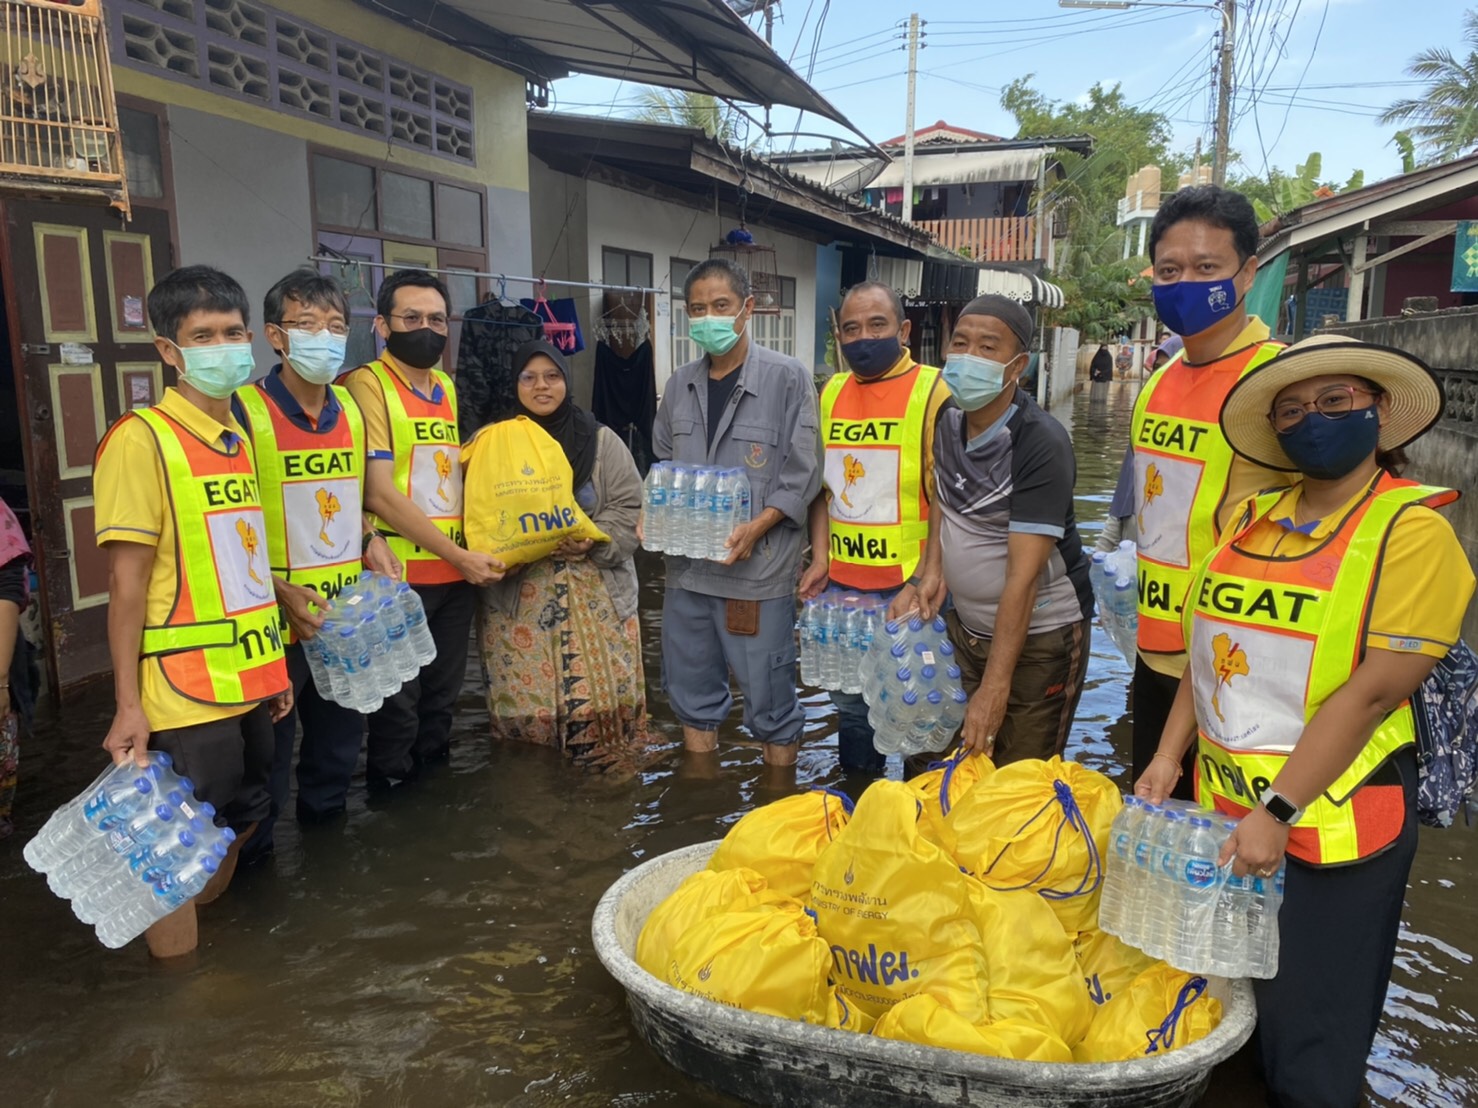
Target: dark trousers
[
  {"x": 415, "y": 725},
  {"x": 1154, "y": 693},
  {"x": 1316, "y": 1020}
]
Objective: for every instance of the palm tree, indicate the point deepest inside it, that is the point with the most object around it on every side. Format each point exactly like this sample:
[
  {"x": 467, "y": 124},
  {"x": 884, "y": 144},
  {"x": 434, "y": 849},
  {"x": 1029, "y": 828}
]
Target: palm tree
[
  {"x": 683, "y": 108},
  {"x": 1443, "y": 121}
]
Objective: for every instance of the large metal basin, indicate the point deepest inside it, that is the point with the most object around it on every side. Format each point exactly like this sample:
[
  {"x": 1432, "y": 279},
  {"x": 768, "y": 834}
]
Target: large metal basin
[{"x": 766, "y": 1060}]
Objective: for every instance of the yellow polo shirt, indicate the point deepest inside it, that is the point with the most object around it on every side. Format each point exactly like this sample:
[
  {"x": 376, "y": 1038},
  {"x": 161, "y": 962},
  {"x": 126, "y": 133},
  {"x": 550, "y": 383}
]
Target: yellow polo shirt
[
  {"x": 128, "y": 498},
  {"x": 367, "y": 391},
  {"x": 1425, "y": 580}
]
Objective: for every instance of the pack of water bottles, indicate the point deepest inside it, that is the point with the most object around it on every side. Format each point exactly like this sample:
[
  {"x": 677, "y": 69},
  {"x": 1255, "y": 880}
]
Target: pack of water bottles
[
  {"x": 834, "y": 632},
  {"x": 911, "y": 682},
  {"x": 130, "y": 848},
  {"x": 1164, "y": 893},
  {"x": 373, "y": 640},
  {"x": 1115, "y": 577},
  {"x": 691, "y": 510}
]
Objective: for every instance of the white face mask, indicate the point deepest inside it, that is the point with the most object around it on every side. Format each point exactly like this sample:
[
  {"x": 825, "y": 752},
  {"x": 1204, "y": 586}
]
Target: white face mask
[{"x": 316, "y": 356}]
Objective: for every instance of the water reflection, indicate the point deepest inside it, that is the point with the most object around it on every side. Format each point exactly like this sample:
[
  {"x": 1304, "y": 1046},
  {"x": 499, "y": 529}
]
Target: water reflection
[{"x": 436, "y": 951}]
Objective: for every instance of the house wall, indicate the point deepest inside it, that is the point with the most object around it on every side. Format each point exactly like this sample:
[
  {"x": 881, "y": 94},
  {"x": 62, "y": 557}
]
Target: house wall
[{"x": 1426, "y": 271}]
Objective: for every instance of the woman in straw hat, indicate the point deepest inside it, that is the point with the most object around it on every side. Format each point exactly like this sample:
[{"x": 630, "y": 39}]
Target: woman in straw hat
[{"x": 1309, "y": 630}]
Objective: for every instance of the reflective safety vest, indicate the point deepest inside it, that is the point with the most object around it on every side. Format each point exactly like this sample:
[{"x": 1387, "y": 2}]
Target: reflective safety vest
[
  {"x": 1271, "y": 639},
  {"x": 873, "y": 436},
  {"x": 428, "y": 469},
  {"x": 220, "y": 643},
  {"x": 311, "y": 486},
  {"x": 1181, "y": 466}
]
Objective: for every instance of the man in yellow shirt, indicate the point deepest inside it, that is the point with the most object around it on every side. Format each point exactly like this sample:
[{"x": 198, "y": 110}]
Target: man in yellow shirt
[
  {"x": 1187, "y": 480},
  {"x": 870, "y": 521},
  {"x": 179, "y": 515},
  {"x": 413, "y": 486}
]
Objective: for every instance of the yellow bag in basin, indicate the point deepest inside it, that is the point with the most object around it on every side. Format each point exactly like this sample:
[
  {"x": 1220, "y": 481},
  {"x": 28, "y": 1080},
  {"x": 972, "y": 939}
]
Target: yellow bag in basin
[
  {"x": 768, "y": 959},
  {"x": 943, "y": 785},
  {"x": 1162, "y": 1010},
  {"x": 1039, "y": 825},
  {"x": 1108, "y": 965},
  {"x": 518, "y": 500},
  {"x": 781, "y": 841},
  {"x": 701, "y": 895},
  {"x": 922, "y": 1019}
]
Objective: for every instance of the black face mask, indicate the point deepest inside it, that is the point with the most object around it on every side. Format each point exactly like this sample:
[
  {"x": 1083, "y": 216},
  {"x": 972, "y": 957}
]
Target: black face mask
[{"x": 419, "y": 349}]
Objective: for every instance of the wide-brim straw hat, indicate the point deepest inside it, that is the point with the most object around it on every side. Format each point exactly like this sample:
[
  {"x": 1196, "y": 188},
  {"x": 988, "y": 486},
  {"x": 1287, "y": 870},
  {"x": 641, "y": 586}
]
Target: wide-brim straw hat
[{"x": 1413, "y": 395}]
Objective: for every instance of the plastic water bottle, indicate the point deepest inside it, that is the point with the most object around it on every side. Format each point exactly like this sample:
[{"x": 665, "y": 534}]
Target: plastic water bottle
[
  {"x": 115, "y": 801},
  {"x": 743, "y": 508},
  {"x": 1197, "y": 883},
  {"x": 1262, "y": 924},
  {"x": 950, "y": 718},
  {"x": 1116, "y": 864},
  {"x": 382, "y": 665},
  {"x": 402, "y": 654},
  {"x": 829, "y": 630},
  {"x": 654, "y": 519},
  {"x": 357, "y": 665},
  {"x": 720, "y": 514},
  {"x": 864, "y": 632},
  {"x": 697, "y": 530},
  {"x": 1229, "y": 937},
  {"x": 127, "y": 924},
  {"x": 415, "y": 623},
  {"x": 1154, "y": 921},
  {"x": 679, "y": 503},
  {"x": 809, "y": 650}
]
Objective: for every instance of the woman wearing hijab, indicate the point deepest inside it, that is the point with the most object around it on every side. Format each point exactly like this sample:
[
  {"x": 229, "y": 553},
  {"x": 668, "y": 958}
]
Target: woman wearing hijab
[
  {"x": 561, "y": 646},
  {"x": 1309, "y": 631}
]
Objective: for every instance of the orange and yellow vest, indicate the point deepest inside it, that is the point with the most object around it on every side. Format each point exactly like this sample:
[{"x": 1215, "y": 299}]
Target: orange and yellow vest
[
  {"x": 312, "y": 495},
  {"x": 873, "y": 435},
  {"x": 428, "y": 469},
  {"x": 1181, "y": 466},
  {"x": 1271, "y": 638},
  {"x": 220, "y": 643}
]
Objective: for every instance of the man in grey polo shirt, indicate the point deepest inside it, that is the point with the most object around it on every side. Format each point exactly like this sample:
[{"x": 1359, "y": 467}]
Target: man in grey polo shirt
[
  {"x": 1004, "y": 543},
  {"x": 738, "y": 405}
]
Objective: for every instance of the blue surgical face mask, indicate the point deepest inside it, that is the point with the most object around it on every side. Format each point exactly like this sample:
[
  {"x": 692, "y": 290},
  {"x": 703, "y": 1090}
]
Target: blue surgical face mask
[
  {"x": 219, "y": 369},
  {"x": 316, "y": 356},
  {"x": 1328, "y": 449},
  {"x": 1190, "y": 307},
  {"x": 973, "y": 382}
]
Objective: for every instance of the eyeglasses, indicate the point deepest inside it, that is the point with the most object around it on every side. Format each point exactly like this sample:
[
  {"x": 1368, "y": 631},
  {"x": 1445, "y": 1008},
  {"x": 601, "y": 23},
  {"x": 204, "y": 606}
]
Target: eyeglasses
[
  {"x": 1335, "y": 402},
  {"x": 414, "y": 321},
  {"x": 313, "y": 325}
]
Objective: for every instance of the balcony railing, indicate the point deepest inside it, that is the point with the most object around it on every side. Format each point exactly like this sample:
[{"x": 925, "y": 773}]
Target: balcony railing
[
  {"x": 58, "y": 118},
  {"x": 1139, "y": 205},
  {"x": 1009, "y": 239}
]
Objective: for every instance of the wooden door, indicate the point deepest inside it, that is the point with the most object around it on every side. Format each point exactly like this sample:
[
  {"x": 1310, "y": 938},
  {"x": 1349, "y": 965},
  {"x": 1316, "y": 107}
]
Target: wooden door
[{"x": 77, "y": 281}]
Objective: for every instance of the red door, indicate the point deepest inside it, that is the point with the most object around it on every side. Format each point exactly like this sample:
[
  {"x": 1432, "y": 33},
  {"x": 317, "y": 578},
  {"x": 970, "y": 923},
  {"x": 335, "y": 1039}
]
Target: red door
[{"x": 76, "y": 281}]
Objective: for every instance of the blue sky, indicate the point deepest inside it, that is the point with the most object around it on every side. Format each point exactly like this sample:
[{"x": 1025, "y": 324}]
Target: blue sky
[{"x": 1313, "y": 74}]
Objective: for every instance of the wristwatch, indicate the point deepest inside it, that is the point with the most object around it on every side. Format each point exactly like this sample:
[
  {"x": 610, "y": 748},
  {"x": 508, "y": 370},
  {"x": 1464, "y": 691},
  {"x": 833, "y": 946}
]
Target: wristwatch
[{"x": 1281, "y": 808}]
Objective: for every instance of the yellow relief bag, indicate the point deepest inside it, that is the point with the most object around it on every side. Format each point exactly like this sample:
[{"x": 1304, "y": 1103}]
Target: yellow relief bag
[
  {"x": 518, "y": 502},
  {"x": 1108, "y": 965},
  {"x": 942, "y": 786},
  {"x": 781, "y": 841},
  {"x": 922, "y": 1019},
  {"x": 897, "y": 912},
  {"x": 768, "y": 959},
  {"x": 1041, "y": 826},
  {"x": 701, "y": 895},
  {"x": 1162, "y": 1010},
  {"x": 1032, "y": 975}
]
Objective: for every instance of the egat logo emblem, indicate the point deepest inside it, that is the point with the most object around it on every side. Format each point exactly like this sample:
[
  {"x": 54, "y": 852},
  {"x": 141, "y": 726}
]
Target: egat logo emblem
[
  {"x": 328, "y": 507},
  {"x": 1228, "y": 660}
]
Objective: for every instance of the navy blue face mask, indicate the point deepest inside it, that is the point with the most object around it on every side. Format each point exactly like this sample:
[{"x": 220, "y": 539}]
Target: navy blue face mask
[
  {"x": 1328, "y": 449},
  {"x": 871, "y": 357}
]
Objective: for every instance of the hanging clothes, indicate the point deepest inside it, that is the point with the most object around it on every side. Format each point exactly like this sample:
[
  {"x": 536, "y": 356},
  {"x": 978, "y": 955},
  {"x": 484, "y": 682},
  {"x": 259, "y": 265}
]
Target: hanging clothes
[
  {"x": 625, "y": 397},
  {"x": 561, "y": 311},
  {"x": 487, "y": 386}
]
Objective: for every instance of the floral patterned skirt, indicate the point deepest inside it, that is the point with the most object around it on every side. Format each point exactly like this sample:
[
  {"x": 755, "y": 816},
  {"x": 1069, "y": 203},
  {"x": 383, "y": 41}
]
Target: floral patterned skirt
[{"x": 564, "y": 671}]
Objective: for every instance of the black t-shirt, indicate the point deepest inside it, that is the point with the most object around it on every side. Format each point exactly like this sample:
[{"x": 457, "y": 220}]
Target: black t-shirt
[{"x": 718, "y": 396}]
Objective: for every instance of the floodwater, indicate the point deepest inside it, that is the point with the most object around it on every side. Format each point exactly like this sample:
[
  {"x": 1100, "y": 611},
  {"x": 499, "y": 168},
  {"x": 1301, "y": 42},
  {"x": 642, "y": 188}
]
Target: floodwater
[{"x": 436, "y": 951}]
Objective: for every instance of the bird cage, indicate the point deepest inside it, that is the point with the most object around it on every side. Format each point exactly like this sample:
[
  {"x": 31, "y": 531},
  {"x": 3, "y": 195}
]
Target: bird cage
[{"x": 757, "y": 261}]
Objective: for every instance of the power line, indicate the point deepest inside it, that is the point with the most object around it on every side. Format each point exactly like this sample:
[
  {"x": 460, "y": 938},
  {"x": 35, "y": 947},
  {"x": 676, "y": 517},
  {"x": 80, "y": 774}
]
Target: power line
[{"x": 1318, "y": 34}]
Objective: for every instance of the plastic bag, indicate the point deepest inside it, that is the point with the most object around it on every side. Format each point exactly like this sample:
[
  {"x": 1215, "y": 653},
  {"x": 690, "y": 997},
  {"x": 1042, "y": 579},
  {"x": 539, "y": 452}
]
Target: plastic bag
[
  {"x": 768, "y": 959},
  {"x": 943, "y": 785},
  {"x": 518, "y": 502},
  {"x": 1108, "y": 965},
  {"x": 781, "y": 841},
  {"x": 1163, "y": 1009},
  {"x": 1041, "y": 826},
  {"x": 701, "y": 895},
  {"x": 1031, "y": 972},
  {"x": 897, "y": 912},
  {"x": 923, "y": 1019}
]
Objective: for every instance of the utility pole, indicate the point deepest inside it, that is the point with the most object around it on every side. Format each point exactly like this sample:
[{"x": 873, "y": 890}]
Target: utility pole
[
  {"x": 1224, "y": 92},
  {"x": 913, "y": 73}
]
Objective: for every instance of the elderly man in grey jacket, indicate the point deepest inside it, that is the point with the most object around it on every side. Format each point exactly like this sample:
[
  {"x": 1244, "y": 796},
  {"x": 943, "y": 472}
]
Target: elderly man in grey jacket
[{"x": 739, "y": 405}]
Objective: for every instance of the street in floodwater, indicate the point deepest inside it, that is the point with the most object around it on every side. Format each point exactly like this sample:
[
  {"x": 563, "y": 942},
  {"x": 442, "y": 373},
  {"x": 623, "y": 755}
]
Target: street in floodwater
[{"x": 436, "y": 951}]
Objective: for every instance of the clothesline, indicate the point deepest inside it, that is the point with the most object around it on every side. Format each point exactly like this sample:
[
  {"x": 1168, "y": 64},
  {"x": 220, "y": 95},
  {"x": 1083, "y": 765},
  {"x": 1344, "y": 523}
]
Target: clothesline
[{"x": 334, "y": 259}]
